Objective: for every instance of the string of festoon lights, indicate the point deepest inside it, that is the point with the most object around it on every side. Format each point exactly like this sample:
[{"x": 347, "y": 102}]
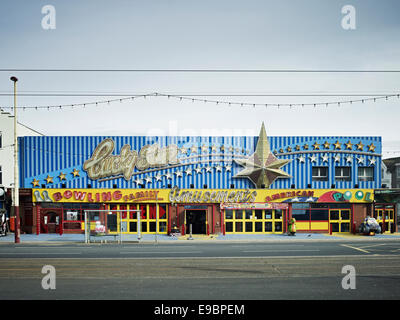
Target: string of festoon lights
[{"x": 216, "y": 102}]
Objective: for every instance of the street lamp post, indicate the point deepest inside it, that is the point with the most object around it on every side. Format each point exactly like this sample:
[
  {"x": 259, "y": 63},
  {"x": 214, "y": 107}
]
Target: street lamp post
[{"x": 16, "y": 185}]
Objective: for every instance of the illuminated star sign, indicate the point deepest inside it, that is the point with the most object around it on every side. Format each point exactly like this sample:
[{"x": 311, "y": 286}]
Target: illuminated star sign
[{"x": 262, "y": 167}]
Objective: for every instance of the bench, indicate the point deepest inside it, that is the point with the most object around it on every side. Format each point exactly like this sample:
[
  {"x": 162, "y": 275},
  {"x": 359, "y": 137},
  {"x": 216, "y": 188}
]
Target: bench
[{"x": 100, "y": 236}]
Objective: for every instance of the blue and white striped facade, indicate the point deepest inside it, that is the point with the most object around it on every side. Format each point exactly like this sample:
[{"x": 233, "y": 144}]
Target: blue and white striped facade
[{"x": 48, "y": 156}]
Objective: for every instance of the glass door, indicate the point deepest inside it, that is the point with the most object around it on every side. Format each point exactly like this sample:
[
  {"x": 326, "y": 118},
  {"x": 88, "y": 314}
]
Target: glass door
[{"x": 340, "y": 220}]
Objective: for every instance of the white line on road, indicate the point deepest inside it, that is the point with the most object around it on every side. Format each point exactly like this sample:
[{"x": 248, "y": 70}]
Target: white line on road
[
  {"x": 280, "y": 250},
  {"x": 153, "y": 252},
  {"x": 44, "y": 253}
]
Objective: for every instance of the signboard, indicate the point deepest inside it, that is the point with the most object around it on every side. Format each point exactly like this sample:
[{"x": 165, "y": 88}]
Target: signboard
[{"x": 203, "y": 196}]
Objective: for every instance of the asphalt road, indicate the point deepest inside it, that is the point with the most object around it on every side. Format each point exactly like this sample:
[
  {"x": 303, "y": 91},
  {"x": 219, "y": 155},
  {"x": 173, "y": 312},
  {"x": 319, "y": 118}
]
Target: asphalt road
[{"x": 216, "y": 271}]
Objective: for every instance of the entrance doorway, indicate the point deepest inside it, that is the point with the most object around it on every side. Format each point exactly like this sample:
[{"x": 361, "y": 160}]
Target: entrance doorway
[
  {"x": 196, "y": 218},
  {"x": 339, "y": 220},
  {"x": 50, "y": 221}
]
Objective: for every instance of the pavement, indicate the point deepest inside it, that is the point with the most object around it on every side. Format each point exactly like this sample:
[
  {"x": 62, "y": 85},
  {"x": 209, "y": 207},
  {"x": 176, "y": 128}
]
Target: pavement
[{"x": 79, "y": 238}]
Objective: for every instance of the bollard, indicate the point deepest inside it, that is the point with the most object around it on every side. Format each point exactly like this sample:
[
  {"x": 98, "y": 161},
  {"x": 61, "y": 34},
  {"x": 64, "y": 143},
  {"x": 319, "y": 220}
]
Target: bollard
[{"x": 190, "y": 236}]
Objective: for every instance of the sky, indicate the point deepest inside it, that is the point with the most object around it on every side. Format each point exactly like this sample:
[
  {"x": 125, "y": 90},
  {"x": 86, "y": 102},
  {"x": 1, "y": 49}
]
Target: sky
[{"x": 226, "y": 34}]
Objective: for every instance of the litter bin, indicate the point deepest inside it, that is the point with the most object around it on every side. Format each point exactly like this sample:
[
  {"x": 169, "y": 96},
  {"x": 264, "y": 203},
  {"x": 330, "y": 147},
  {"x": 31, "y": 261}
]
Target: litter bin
[{"x": 12, "y": 224}]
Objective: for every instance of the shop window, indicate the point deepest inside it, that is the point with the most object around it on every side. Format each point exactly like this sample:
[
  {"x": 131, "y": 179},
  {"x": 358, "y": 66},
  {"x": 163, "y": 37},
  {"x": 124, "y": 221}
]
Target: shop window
[
  {"x": 334, "y": 215},
  {"x": 258, "y": 214},
  {"x": 268, "y": 227},
  {"x": 238, "y": 214},
  {"x": 343, "y": 173},
  {"x": 278, "y": 226},
  {"x": 228, "y": 214},
  {"x": 238, "y": 227},
  {"x": 132, "y": 214},
  {"x": 320, "y": 173},
  {"x": 249, "y": 226},
  {"x": 300, "y": 205},
  {"x": 152, "y": 226},
  {"x": 278, "y": 214},
  {"x": 398, "y": 172},
  {"x": 123, "y": 214},
  {"x": 132, "y": 226},
  {"x": 144, "y": 227},
  {"x": 112, "y": 222},
  {"x": 162, "y": 227},
  {"x": 301, "y": 215},
  {"x": 258, "y": 226},
  {"x": 152, "y": 211},
  {"x": 162, "y": 211},
  {"x": 229, "y": 226},
  {"x": 365, "y": 174},
  {"x": 319, "y": 212},
  {"x": 249, "y": 214},
  {"x": 268, "y": 214},
  {"x": 143, "y": 211}
]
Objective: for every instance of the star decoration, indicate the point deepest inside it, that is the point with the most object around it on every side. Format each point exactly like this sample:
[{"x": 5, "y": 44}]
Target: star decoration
[
  {"x": 204, "y": 148},
  {"x": 178, "y": 173},
  {"x": 316, "y": 146},
  {"x": 337, "y": 145},
  {"x": 297, "y": 148},
  {"x": 158, "y": 177},
  {"x": 188, "y": 171},
  {"x": 228, "y": 167},
  {"x": 349, "y": 159},
  {"x": 62, "y": 176},
  {"x": 75, "y": 173},
  {"x": 327, "y": 145},
  {"x": 183, "y": 150},
  {"x": 371, "y": 147},
  {"x": 49, "y": 179},
  {"x": 360, "y": 160},
  {"x": 313, "y": 158},
  {"x": 218, "y": 168},
  {"x": 349, "y": 145},
  {"x": 337, "y": 158},
  {"x": 360, "y": 146},
  {"x": 213, "y": 148},
  {"x": 198, "y": 169},
  {"x": 231, "y": 149},
  {"x": 35, "y": 183},
  {"x": 193, "y": 149},
  {"x": 302, "y": 159},
  {"x": 138, "y": 181},
  {"x": 305, "y": 147},
  {"x": 281, "y": 151},
  {"x": 325, "y": 158},
  {"x": 262, "y": 167},
  {"x": 372, "y": 161},
  {"x": 222, "y": 148},
  {"x": 168, "y": 175},
  {"x": 208, "y": 169},
  {"x": 148, "y": 179},
  {"x": 289, "y": 149}
]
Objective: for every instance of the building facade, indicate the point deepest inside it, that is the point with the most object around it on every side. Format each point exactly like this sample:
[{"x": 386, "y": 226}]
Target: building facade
[
  {"x": 214, "y": 185},
  {"x": 6, "y": 146}
]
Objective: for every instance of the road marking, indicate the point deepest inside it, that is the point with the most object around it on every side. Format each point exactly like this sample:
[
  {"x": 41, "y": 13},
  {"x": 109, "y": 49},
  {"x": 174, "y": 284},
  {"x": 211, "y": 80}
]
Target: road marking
[
  {"x": 280, "y": 250},
  {"x": 154, "y": 252},
  {"x": 44, "y": 253},
  {"x": 351, "y": 247}
]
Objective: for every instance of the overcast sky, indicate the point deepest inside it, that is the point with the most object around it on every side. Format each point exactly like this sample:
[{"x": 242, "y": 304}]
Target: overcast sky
[{"x": 205, "y": 34}]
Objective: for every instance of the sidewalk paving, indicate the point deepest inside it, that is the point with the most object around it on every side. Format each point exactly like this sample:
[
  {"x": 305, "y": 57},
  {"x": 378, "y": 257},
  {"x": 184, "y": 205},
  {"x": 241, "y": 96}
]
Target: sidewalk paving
[{"x": 79, "y": 238}]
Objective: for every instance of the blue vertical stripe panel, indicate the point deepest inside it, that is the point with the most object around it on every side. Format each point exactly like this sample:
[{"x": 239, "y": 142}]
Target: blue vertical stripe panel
[{"x": 43, "y": 156}]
